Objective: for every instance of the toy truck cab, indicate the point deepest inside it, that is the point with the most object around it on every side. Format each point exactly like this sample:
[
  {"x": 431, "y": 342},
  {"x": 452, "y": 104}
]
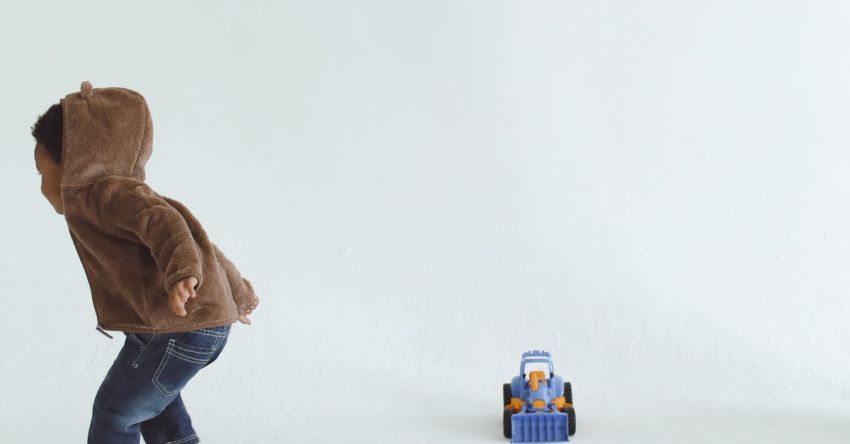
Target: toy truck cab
[{"x": 538, "y": 404}]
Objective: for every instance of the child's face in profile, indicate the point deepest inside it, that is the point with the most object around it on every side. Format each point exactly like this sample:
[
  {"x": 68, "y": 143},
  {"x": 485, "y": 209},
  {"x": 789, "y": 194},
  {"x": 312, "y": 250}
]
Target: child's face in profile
[{"x": 49, "y": 170}]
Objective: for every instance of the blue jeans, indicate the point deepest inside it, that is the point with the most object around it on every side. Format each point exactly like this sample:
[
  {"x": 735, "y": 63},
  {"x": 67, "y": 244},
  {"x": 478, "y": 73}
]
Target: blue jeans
[{"x": 141, "y": 391}]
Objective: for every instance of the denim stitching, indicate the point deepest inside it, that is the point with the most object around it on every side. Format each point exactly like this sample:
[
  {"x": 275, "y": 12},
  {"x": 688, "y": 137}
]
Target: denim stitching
[
  {"x": 159, "y": 369},
  {"x": 217, "y": 342},
  {"x": 192, "y": 348},
  {"x": 182, "y": 440},
  {"x": 171, "y": 350},
  {"x": 136, "y": 339},
  {"x": 135, "y": 362},
  {"x": 211, "y": 333},
  {"x": 188, "y": 358}
]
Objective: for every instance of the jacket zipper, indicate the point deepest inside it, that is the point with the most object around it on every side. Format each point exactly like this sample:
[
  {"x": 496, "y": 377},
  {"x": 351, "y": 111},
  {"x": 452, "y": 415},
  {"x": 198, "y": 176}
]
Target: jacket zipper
[
  {"x": 88, "y": 277},
  {"x": 103, "y": 331}
]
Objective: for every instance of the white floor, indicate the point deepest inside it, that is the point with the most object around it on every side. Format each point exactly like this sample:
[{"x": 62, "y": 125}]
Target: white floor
[{"x": 650, "y": 425}]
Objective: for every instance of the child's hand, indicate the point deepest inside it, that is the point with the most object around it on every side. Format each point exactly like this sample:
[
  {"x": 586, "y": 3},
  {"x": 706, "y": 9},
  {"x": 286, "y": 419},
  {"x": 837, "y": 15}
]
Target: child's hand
[
  {"x": 243, "y": 317},
  {"x": 180, "y": 293}
]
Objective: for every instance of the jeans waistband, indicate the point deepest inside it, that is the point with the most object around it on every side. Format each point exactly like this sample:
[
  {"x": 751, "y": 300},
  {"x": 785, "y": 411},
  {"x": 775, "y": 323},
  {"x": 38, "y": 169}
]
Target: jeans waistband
[{"x": 221, "y": 330}]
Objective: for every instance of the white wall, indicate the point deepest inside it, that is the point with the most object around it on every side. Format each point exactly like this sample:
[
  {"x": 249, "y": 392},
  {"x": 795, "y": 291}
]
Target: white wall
[{"x": 654, "y": 191}]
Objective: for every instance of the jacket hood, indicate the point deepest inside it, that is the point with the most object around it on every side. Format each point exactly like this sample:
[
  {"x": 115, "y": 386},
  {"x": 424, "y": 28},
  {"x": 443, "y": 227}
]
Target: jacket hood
[{"x": 107, "y": 131}]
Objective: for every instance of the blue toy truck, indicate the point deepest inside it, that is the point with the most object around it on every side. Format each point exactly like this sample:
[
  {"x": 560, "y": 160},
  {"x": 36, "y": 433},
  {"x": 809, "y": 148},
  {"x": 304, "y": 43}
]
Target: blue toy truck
[{"x": 538, "y": 407}]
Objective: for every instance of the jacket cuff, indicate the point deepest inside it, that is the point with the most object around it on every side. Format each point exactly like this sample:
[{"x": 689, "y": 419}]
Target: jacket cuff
[
  {"x": 243, "y": 295},
  {"x": 177, "y": 277}
]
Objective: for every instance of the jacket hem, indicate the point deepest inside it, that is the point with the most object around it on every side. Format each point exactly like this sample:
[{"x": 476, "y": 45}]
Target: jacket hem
[{"x": 137, "y": 328}]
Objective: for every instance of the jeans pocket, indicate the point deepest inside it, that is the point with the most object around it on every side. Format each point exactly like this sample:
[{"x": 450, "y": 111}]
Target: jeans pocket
[{"x": 179, "y": 364}]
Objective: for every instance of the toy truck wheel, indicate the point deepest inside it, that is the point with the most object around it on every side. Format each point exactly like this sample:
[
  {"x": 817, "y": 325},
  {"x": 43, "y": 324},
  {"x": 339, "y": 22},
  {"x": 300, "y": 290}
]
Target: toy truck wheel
[
  {"x": 571, "y": 419},
  {"x": 506, "y": 394},
  {"x": 568, "y": 392},
  {"x": 506, "y": 422}
]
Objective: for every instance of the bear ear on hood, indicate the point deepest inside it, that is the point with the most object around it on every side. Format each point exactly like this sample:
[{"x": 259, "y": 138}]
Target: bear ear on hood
[{"x": 86, "y": 89}]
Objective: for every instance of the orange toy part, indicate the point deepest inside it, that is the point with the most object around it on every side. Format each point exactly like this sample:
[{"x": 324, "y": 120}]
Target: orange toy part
[
  {"x": 515, "y": 405},
  {"x": 535, "y": 378},
  {"x": 539, "y": 404}
]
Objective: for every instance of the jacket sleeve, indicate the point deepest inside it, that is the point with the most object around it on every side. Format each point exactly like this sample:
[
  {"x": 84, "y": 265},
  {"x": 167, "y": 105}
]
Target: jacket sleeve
[
  {"x": 134, "y": 211},
  {"x": 241, "y": 288}
]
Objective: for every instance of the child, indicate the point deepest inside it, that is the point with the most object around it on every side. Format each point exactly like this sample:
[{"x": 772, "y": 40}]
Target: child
[{"x": 153, "y": 273}]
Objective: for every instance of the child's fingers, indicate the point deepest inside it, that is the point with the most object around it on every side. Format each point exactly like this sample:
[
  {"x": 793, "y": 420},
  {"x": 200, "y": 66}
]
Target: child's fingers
[
  {"x": 190, "y": 289},
  {"x": 177, "y": 298},
  {"x": 180, "y": 296},
  {"x": 177, "y": 306}
]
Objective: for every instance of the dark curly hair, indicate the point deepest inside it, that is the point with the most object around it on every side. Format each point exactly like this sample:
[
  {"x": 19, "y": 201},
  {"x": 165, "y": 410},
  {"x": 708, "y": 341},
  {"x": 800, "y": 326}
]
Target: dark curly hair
[{"x": 48, "y": 131}]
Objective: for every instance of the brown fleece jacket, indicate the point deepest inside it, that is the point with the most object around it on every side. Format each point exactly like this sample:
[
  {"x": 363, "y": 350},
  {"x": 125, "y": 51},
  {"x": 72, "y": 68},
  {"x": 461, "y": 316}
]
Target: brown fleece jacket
[{"x": 134, "y": 243}]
